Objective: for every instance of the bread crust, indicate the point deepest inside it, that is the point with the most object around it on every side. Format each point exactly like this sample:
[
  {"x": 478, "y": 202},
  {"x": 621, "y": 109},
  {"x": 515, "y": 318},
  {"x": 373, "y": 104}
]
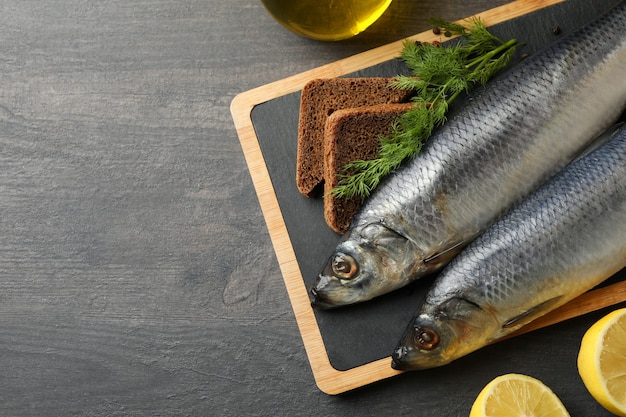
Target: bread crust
[{"x": 320, "y": 99}]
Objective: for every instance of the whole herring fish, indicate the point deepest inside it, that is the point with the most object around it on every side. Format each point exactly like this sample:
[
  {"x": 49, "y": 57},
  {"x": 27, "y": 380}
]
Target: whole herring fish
[
  {"x": 566, "y": 238},
  {"x": 509, "y": 138}
]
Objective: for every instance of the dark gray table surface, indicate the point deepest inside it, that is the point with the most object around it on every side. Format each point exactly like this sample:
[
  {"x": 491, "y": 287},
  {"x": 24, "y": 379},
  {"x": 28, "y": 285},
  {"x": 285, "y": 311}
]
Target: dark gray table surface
[{"x": 137, "y": 276}]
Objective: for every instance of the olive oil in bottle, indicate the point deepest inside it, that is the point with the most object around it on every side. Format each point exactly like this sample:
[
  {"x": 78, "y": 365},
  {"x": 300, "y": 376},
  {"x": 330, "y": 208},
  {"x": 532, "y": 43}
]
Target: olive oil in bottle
[{"x": 326, "y": 20}]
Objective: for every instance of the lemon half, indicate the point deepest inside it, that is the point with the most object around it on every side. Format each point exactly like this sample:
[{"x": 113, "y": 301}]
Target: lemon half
[
  {"x": 602, "y": 361},
  {"x": 517, "y": 395}
]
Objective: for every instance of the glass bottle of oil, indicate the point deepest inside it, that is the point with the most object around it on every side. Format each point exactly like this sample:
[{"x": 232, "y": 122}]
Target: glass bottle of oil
[{"x": 326, "y": 20}]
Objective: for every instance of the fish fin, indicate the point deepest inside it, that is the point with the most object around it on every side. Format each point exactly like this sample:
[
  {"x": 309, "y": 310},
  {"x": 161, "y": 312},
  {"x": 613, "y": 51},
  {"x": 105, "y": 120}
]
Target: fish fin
[
  {"x": 531, "y": 313},
  {"x": 599, "y": 140},
  {"x": 446, "y": 255}
]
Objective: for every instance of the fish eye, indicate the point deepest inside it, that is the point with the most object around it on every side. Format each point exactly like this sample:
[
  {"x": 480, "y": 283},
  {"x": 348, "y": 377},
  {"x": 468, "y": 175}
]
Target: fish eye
[
  {"x": 426, "y": 338},
  {"x": 344, "y": 266}
]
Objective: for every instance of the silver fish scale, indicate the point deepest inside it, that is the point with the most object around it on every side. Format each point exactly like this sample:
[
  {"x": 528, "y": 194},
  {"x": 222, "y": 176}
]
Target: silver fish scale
[
  {"x": 564, "y": 239},
  {"x": 512, "y": 135}
]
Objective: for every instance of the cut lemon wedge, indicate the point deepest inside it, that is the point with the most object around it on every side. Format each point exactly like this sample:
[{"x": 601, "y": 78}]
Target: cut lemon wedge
[
  {"x": 517, "y": 395},
  {"x": 602, "y": 361}
]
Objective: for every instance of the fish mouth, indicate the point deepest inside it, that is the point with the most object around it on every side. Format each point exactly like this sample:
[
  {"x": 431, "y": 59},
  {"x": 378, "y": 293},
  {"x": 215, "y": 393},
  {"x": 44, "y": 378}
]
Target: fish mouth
[
  {"x": 316, "y": 300},
  {"x": 330, "y": 294},
  {"x": 397, "y": 362},
  {"x": 409, "y": 358},
  {"x": 319, "y": 301},
  {"x": 398, "y": 366}
]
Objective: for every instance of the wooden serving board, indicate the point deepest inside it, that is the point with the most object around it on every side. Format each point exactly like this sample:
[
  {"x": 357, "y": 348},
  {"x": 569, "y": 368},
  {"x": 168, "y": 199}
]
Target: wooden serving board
[{"x": 349, "y": 348}]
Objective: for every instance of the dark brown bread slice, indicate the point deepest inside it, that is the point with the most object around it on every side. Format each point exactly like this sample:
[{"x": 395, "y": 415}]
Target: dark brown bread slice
[
  {"x": 352, "y": 134},
  {"x": 320, "y": 98}
]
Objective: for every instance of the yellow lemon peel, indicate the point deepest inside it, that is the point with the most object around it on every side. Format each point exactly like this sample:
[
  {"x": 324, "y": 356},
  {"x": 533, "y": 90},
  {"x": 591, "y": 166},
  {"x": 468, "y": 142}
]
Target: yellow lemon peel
[
  {"x": 602, "y": 361},
  {"x": 517, "y": 395}
]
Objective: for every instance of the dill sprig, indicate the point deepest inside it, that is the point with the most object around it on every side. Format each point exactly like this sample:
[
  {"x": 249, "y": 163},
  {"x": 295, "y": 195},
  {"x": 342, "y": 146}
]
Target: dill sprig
[{"x": 438, "y": 76}]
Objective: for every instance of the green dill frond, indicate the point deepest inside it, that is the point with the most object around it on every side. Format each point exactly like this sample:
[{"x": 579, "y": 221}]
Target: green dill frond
[
  {"x": 438, "y": 76},
  {"x": 403, "y": 82},
  {"x": 412, "y": 54}
]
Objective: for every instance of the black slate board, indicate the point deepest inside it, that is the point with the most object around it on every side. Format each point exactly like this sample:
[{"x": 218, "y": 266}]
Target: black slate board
[{"x": 360, "y": 334}]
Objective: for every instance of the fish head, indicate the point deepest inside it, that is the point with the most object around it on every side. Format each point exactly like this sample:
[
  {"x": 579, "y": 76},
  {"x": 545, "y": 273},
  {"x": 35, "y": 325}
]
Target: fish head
[
  {"x": 368, "y": 262},
  {"x": 442, "y": 333}
]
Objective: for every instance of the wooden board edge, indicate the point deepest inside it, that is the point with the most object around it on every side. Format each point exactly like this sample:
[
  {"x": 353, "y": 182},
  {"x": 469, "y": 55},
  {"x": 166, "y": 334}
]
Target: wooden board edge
[{"x": 328, "y": 379}]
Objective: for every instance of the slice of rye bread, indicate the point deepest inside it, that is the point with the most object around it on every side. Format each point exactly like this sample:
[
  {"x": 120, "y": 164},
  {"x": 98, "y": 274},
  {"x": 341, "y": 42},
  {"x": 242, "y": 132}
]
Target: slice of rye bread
[
  {"x": 320, "y": 98},
  {"x": 352, "y": 134}
]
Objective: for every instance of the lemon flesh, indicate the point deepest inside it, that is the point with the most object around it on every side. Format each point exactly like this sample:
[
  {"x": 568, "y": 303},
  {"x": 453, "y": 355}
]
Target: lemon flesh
[
  {"x": 517, "y": 395},
  {"x": 602, "y": 361}
]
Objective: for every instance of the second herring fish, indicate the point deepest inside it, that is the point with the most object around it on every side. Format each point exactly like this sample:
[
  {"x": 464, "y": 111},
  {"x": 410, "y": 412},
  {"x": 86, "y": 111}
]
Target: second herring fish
[{"x": 566, "y": 238}]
